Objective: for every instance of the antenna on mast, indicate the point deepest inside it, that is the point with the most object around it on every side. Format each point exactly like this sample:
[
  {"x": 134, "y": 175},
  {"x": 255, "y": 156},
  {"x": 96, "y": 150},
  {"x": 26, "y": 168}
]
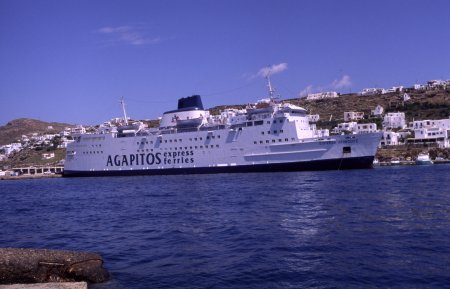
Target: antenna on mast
[
  {"x": 269, "y": 86},
  {"x": 122, "y": 102}
]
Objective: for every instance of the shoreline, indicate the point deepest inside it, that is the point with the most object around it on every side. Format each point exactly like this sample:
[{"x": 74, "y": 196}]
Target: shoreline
[{"x": 28, "y": 177}]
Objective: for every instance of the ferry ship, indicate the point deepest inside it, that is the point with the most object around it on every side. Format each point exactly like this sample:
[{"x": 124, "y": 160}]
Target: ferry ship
[{"x": 268, "y": 136}]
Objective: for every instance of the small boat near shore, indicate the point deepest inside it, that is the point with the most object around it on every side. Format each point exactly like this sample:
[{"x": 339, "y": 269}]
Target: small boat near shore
[{"x": 423, "y": 159}]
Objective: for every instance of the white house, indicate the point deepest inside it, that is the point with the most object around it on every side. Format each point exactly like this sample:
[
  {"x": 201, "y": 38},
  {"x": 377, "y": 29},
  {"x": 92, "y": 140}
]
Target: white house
[
  {"x": 48, "y": 156},
  {"x": 394, "y": 120},
  {"x": 395, "y": 89},
  {"x": 345, "y": 126},
  {"x": 436, "y": 83},
  {"x": 419, "y": 87},
  {"x": 313, "y": 117},
  {"x": 432, "y": 135},
  {"x": 438, "y": 123},
  {"x": 79, "y": 129},
  {"x": 322, "y": 95},
  {"x": 353, "y": 115},
  {"x": 390, "y": 138},
  {"x": 427, "y": 131},
  {"x": 378, "y": 111},
  {"x": 365, "y": 128}
]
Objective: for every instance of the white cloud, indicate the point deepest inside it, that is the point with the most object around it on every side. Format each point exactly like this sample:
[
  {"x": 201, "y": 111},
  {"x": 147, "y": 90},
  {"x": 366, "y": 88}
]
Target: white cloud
[
  {"x": 345, "y": 81},
  {"x": 128, "y": 34},
  {"x": 274, "y": 69},
  {"x": 307, "y": 90}
]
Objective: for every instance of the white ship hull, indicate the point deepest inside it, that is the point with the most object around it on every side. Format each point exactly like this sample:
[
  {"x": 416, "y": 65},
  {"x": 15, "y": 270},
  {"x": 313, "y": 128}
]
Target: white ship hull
[{"x": 217, "y": 152}]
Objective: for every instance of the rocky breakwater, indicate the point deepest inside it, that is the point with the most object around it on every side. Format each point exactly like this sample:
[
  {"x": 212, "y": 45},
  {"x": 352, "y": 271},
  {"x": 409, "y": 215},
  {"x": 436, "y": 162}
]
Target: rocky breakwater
[{"x": 41, "y": 265}]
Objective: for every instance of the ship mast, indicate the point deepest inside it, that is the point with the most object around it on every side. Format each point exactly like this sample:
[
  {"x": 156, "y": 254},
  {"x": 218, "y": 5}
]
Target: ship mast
[
  {"x": 269, "y": 86},
  {"x": 122, "y": 102}
]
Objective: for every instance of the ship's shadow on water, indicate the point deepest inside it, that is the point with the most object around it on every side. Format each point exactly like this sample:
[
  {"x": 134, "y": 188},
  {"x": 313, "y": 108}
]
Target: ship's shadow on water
[{"x": 380, "y": 228}]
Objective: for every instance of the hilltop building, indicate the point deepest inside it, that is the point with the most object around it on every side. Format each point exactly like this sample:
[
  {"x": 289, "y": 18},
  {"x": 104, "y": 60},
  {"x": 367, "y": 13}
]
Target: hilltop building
[
  {"x": 394, "y": 89},
  {"x": 322, "y": 95},
  {"x": 372, "y": 91},
  {"x": 419, "y": 87},
  {"x": 432, "y": 84}
]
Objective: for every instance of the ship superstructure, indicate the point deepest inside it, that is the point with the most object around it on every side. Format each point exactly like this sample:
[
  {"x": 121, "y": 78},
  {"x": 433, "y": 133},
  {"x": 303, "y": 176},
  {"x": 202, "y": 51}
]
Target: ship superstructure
[{"x": 267, "y": 136}]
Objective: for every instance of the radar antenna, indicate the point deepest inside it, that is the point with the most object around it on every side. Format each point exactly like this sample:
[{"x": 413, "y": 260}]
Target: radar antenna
[{"x": 122, "y": 102}]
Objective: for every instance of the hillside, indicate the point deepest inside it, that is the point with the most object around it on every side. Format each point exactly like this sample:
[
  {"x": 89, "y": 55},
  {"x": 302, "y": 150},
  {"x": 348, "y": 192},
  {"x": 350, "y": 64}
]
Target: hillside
[
  {"x": 13, "y": 130},
  {"x": 430, "y": 104},
  {"x": 433, "y": 104}
]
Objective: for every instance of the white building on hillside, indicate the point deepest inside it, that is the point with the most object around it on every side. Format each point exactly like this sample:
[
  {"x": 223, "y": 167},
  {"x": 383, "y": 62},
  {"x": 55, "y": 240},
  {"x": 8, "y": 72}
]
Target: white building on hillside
[
  {"x": 345, "y": 126},
  {"x": 390, "y": 138},
  {"x": 395, "y": 89},
  {"x": 436, "y": 84},
  {"x": 437, "y": 123},
  {"x": 10, "y": 148},
  {"x": 394, "y": 120},
  {"x": 432, "y": 135},
  {"x": 432, "y": 131},
  {"x": 322, "y": 95},
  {"x": 365, "y": 128},
  {"x": 378, "y": 111},
  {"x": 372, "y": 91},
  {"x": 313, "y": 117},
  {"x": 353, "y": 115},
  {"x": 79, "y": 129},
  {"x": 355, "y": 127},
  {"x": 419, "y": 87}
]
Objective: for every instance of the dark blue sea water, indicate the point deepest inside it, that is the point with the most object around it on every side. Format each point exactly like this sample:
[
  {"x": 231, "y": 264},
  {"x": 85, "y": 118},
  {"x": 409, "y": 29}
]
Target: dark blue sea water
[{"x": 380, "y": 228}]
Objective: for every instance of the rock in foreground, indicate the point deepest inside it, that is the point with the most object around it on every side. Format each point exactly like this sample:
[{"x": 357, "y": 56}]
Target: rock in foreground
[{"x": 41, "y": 265}]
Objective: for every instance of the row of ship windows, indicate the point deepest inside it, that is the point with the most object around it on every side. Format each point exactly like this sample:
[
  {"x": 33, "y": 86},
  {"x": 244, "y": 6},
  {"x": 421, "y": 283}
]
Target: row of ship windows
[
  {"x": 275, "y": 121},
  {"x": 180, "y": 148},
  {"x": 151, "y": 150},
  {"x": 179, "y": 140},
  {"x": 273, "y": 140},
  {"x": 273, "y": 132}
]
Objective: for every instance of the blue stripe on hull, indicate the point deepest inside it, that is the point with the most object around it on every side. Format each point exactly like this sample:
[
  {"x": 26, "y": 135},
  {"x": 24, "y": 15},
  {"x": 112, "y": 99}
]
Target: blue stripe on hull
[{"x": 333, "y": 164}]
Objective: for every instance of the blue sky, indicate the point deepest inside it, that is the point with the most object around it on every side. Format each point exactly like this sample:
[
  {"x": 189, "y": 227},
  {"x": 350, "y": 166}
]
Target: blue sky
[{"x": 71, "y": 61}]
